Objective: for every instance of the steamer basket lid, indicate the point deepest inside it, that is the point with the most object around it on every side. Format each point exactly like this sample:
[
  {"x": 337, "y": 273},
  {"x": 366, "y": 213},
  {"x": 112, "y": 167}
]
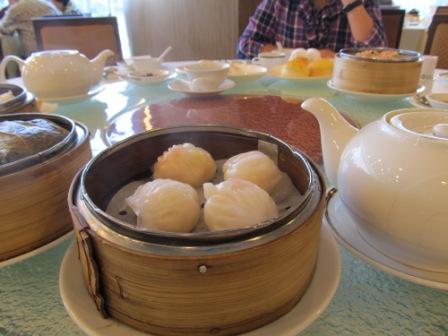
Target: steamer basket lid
[
  {"x": 377, "y": 55},
  {"x": 67, "y": 142}
]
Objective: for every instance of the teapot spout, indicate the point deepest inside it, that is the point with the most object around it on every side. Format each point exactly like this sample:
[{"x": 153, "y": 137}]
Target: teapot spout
[
  {"x": 335, "y": 133},
  {"x": 99, "y": 61}
]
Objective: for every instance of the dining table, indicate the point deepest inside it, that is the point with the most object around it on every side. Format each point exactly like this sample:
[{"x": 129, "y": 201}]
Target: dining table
[{"x": 368, "y": 300}]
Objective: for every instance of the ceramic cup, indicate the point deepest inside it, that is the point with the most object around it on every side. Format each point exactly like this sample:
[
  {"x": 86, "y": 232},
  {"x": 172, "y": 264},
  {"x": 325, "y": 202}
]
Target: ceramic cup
[
  {"x": 207, "y": 75},
  {"x": 270, "y": 59},
  {"x": 144, "y": 63}
]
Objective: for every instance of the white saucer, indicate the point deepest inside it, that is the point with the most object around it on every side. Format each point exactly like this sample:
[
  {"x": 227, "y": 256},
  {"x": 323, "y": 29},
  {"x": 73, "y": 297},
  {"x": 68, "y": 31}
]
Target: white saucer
[
  {"x": 36, "y": 251},
  {"x": 346, "y": 232},
  {"x": 178, "y": 85},
  {"x": 322, "y": 288},
  {"x": 73, "y": 99},
  {"x": 241, "y": 72},
  {"x": 372, "y": 97},
  {"x": 159, "y": 77}
]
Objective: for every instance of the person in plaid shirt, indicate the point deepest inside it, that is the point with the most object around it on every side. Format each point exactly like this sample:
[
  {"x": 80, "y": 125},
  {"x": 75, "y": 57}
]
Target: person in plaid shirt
[{"x": 329, "y": 25}]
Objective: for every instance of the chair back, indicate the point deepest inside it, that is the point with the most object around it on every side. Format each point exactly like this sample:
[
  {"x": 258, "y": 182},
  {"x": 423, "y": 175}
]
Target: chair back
[
  {"x": 436, "y": 44},
  {"x": 393, "y": 25},
  {"x": 89, "y": 35}
]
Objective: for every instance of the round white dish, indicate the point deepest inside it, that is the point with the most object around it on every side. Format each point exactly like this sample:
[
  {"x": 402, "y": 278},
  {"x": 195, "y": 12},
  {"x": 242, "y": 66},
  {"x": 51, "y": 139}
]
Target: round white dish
[
  {"x": 346, "y": 232},
  {"x": 36, "y": 251},
  {"x": 241, "y": 72},
  {"x": 82, "y": 310},
  {"x": 372, "y": 97},
  {"x": 443, "y": 76},
  {"x": 158, "y": 77},
  {"x": 438, "y": 100},
  {"x": 178, "y": 85},
  {"x": 276, "y": 72},
  {"x": 73, "y": 99}
]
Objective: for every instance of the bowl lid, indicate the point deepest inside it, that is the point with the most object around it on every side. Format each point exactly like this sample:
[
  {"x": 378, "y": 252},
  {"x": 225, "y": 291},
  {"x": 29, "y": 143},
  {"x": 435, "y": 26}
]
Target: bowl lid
[
  {"x": 67, "y": 142},
  {"x": 429, "y": 123},
  {"x": 382, "y": 55}
]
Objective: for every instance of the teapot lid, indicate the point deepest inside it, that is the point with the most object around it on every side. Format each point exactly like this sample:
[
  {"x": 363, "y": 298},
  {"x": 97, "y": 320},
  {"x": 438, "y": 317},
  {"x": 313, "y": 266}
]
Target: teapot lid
[{"x": 430, "y": 123}]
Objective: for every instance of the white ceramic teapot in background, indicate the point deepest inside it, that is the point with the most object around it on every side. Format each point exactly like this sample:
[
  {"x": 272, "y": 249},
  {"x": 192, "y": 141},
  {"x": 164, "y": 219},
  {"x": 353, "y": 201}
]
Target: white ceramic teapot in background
[
  {"x": 392, "y": 176},
  {"x": 59, "y": 73}
]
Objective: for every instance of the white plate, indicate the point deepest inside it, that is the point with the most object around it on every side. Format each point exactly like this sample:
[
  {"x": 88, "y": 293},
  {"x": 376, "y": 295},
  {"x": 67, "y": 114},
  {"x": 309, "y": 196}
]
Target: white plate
[
  {"x": 73, "y": 99},
  {"x": 178, "y": 85},
  {"x": 242, "y": 72},
  {"x": 346, "y": 231},
  {"x": 83, "y": 311},
  {"x": 372, "y": 97},
  {"x": 159, "y": 77},
  {"x": 276, "y": 72},
  {"x": 36, "y": 251}
]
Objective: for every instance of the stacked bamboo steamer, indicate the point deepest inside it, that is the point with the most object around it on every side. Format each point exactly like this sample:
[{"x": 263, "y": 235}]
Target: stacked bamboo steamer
[
  {"x": 207, "y": 283},
  {"x": 34, "y": 190},
  {"x": 355, "y": 70}
]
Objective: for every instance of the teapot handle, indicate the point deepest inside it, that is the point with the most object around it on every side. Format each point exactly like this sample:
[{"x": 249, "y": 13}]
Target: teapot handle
[{"x": 5, "y": 62}]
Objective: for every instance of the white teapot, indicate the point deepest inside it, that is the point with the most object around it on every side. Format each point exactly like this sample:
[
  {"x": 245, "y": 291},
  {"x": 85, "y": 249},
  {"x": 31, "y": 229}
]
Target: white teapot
[
  {"x": 392, "y": 177},
  {"x": 59, "y": 73}
]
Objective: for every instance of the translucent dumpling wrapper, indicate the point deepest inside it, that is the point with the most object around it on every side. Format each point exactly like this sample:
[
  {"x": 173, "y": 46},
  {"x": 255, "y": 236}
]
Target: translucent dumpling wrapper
[
  {"x": 186, "y": 163},
  {"x": 253, "y": 166},
  {"x": 165, "y": 205},
  {"x": 236, "y": 204}
]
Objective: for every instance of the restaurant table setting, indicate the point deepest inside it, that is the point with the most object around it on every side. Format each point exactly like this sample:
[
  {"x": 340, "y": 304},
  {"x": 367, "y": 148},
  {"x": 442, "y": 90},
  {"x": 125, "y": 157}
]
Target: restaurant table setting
[{"x": 352, "y": 165}]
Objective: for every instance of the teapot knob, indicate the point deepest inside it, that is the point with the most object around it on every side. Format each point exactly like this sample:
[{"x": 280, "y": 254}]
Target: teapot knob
[{"x": 440, "y": 130}]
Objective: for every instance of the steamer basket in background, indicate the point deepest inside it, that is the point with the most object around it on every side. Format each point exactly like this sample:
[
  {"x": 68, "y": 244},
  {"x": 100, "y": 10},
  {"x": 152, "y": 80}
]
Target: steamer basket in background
[
  {"x": 398, "y": 75},
  {"x": 33, "y": 190},
  {"x": 205, "y": 283}
]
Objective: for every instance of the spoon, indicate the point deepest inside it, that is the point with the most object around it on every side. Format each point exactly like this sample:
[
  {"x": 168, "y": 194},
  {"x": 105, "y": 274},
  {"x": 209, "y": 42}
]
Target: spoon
[
  {"x": 164, "y": 53},
  {"x": 422, "y": 99},
  {"x": 279, "y": 46}
]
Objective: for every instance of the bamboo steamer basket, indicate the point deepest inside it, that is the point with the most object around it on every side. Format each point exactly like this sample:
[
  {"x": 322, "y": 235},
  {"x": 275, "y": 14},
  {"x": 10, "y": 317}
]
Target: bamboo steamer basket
[
  {"x": 399, "y": 75},
  {"x": 33, "y": 190},
  {"x": 206, "y": 283}
]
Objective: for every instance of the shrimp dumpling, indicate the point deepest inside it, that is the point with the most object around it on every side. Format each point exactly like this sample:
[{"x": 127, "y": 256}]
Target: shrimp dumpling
[
  {"x": 253, "y": 166},
  {"x": 186, "y": 163},
  {"x": 165, "y": 205},
  {"x": 235, "y": 204}
]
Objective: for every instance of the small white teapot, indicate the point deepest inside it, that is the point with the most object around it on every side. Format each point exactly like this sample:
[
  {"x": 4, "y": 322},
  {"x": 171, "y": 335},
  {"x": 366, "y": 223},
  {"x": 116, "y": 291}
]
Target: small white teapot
[
  {"x": 392, "y": 177},
  {"x": 59, "y": 73}
]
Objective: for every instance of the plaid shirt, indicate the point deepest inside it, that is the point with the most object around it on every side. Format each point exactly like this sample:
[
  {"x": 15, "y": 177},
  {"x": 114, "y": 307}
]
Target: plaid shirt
[{"x": 298, "y": 24}]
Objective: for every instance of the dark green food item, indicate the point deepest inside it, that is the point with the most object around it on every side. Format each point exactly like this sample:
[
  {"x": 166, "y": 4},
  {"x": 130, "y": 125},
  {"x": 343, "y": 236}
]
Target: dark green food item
[{"x": 22, "y": 138}]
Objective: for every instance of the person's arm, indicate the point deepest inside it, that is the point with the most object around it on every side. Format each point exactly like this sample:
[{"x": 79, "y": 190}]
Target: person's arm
[
  {"x": 365, "y": 23},
  {"x": 260, "y": 31},
  {"x": 8, "y": 24}
]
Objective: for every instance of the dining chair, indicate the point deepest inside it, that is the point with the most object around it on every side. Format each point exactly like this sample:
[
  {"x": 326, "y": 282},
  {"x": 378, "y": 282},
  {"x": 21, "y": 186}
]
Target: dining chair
[
  {"x": 393, "y": 25},
  {"x": 437, "y": 37},
  {"x": 89, "y": 35},
  {"x": 441, "y": 10}
]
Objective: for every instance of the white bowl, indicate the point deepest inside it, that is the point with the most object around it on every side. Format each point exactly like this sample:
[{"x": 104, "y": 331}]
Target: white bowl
[
  {"x": 213, "y": 70},
  {"x": 143, "y": 63},
  {"x": 438, "y": 100}
]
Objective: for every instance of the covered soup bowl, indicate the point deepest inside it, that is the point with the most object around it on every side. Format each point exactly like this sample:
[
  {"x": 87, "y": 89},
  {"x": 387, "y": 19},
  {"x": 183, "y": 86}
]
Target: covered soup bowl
[{"x": 199, "y": 283}]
